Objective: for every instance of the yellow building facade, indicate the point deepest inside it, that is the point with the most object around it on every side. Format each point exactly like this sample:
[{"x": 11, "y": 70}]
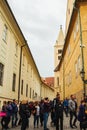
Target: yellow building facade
[
  {"x": 72, "y": 60},
  {"x": 47, "y": 91},
  {"x": 19, "y": 76}
]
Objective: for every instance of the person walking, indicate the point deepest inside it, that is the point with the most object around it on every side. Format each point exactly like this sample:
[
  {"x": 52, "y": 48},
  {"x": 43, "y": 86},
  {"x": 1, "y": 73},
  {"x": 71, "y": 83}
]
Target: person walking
[
  {"x": 81, "y": 115},
  {"x": 65, "y": 104},
  {"x": 14, "y": 113},
  {"x": 59, "y": 115},
  {"x": 3, "y": 119},
  {"x": 73, "y": 112},
  {"x": 55, "y": 101},
  {"x": 24, "y": 113},
  {"x": 41, "y": 112},
  {"x": 46, "y": 112},
  {"x": 36, "y": 114},
  {"x": 8, "y": 114}
]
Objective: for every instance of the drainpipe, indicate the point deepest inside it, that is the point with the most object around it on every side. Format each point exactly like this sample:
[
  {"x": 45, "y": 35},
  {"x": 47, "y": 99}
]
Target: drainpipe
[
  {"x": 63, "y": 80},
  {"x": 20, "y": 72}
]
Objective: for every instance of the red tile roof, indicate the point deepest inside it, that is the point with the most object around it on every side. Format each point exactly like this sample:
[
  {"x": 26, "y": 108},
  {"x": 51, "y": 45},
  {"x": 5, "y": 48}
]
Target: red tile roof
[{"x": 49, "y": 81}]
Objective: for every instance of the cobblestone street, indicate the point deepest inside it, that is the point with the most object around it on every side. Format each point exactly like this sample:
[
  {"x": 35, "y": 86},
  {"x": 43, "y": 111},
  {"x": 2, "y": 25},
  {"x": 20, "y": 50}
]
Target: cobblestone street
[{"x": 66, "y": 125}]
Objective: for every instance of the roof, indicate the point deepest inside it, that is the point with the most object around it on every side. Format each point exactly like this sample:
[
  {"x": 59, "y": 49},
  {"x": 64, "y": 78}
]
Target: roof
[{"x": 49, "y": 81}]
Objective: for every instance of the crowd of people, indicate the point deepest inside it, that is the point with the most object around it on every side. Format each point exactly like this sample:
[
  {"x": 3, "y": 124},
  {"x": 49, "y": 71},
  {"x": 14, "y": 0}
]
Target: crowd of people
[{"x": 19, "y": 114}]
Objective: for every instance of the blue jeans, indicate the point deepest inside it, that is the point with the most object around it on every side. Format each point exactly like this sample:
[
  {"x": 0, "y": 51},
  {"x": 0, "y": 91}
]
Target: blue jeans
[
  {"x": 45, "y": 118},
  {"x": 14, "y": 119}
]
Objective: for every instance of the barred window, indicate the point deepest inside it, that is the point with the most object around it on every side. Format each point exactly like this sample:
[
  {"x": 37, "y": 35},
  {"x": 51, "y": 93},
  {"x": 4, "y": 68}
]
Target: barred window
[{"x": 1, "y": 73}]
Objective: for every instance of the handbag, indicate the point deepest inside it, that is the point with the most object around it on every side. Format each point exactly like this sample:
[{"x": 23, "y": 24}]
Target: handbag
[
  {"x": 84, "y": 124},
  {"x": 2, "y": 114}
]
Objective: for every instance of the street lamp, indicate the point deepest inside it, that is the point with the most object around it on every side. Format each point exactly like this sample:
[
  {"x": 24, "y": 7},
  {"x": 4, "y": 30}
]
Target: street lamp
[{"x": 82, "y": 73}]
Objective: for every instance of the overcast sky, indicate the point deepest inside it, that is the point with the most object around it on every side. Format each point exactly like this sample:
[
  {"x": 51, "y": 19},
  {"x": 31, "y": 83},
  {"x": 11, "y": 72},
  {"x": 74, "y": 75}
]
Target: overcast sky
[{"x": 40, "y": 22}]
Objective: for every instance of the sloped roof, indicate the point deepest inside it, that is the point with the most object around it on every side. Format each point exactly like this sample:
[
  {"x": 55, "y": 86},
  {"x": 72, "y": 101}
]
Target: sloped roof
[{"x": 49, "y": 81}]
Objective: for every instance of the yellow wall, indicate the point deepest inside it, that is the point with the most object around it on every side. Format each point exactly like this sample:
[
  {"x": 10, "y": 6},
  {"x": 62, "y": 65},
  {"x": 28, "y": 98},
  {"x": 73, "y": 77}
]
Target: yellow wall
[
  {"x": 46, "y": 91},
  {"x": 72, "y": 80}
]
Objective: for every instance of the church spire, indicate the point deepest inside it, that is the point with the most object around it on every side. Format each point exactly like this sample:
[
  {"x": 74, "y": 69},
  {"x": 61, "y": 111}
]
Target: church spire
[{"x": 60, "y": 39}]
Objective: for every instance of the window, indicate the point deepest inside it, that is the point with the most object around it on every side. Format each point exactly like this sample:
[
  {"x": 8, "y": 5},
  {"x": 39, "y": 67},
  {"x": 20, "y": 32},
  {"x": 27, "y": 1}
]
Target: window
[
  {"x": 33, "y": 93},
  {"x": 5, "y": 33},
  {"x": 76, "y": 28},
  {"x": 76, "y": 68},
  {"x": 1, "y": 73},
  {"x": 58, "y": 81},
  {"x": 31, "y": 72},
  {"x": 30, "y": 92},
  {"x": 23, "y": 59},
  {"x": 59, "y": 51},
  {"x": 14, "y": 82},
  {"x": 27, "y": 66},
  {"x": 79, "y": 63},
  {"x": 22, "y": 87},
  {"x": 59, "y": 57},
  {"x": 68, "y": 79},
  {"x": 27, "y": 90},
  {"x": 16, "y": 49}
]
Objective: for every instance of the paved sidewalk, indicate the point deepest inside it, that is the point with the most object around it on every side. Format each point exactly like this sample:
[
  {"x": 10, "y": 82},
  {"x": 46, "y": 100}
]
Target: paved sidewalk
[{"x": 66, "y": 125}]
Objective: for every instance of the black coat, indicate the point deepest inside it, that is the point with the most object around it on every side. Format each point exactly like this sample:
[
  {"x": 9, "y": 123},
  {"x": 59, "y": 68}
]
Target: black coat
[{"x": 24, "y": 111}]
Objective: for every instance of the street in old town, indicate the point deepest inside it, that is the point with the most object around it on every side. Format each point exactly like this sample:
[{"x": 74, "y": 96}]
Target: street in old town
[
  {"x": 30, "y": 74},
  {"x": 31, "y": 127}
]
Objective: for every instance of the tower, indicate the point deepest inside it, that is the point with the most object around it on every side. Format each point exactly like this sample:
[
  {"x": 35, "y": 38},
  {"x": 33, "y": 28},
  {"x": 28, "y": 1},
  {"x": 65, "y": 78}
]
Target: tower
[{"x": 58, "y": 47}]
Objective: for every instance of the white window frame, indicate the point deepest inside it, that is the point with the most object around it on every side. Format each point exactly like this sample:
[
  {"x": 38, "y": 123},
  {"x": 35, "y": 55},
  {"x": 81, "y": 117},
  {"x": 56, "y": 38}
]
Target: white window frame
[{"x": 5, "y": 30}]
